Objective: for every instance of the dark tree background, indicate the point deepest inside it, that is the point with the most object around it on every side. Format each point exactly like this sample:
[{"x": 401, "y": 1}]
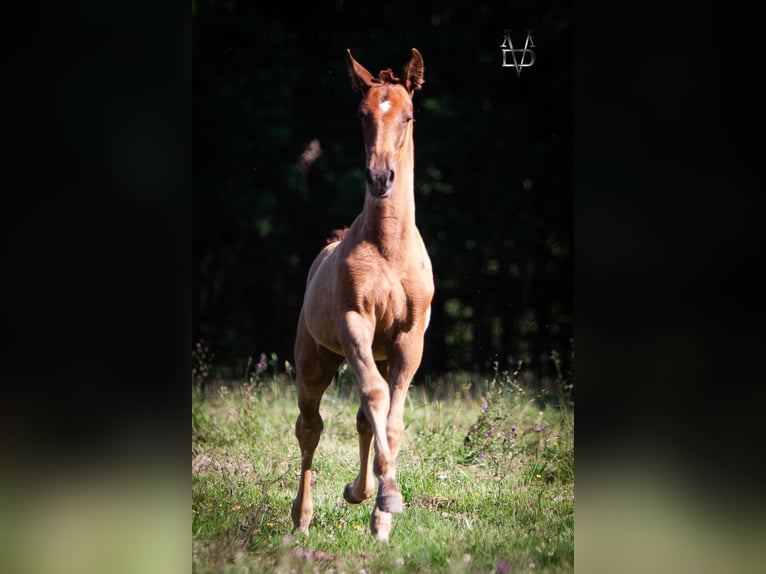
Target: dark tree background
[{"x": 278, "y": 164}]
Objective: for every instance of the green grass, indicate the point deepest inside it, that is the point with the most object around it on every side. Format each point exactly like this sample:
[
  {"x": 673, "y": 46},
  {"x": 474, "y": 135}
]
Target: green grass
[{"x": 486, "y": 470}]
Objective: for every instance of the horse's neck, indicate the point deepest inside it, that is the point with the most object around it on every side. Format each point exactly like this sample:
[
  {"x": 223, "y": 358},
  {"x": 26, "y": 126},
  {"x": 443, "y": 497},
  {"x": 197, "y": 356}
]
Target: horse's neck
[{"x": 390, "y": 223}]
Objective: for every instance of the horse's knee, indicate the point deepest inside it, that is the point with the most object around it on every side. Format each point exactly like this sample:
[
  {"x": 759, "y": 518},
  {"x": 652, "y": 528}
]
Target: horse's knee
[
  {"x": 363, "y": 425},
  {"x": 307, "y": 430},
  {"x": 308, "y": 424},
  {"x": 374, "y": 398},
  {"x": 394, "y": 434}
]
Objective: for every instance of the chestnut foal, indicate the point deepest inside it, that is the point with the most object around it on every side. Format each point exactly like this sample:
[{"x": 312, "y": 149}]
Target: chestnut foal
[{"x": 368, "y": 301}]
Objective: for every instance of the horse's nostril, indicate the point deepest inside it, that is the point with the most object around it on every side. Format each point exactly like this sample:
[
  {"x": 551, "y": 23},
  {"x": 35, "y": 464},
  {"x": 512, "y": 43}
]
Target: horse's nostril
[{"x": 379, "y": 179}]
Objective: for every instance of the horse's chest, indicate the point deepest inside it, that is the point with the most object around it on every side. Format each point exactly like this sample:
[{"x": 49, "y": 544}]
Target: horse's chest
[
  {"x": 391, "y": 301},
  {"x": 399, "y": 299}
]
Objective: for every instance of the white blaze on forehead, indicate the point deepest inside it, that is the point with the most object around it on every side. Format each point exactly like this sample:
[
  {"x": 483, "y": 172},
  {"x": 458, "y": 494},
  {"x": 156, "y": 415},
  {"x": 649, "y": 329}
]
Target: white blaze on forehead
[{"x": 384, "y": 106}]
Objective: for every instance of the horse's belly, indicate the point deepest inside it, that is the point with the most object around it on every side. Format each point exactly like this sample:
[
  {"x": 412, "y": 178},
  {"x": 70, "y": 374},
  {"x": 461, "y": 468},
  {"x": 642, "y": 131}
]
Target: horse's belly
[{"x": 318, "y": 310}]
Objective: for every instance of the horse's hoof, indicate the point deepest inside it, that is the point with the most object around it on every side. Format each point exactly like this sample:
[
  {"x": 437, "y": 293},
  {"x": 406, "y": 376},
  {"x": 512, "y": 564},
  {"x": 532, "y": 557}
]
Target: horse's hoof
[
  {"x": 301, "y": 516},
  {"x": 392, "y": 503},
  {"x": 380, "y": 525},
  {"x": 348, "y": 495}
]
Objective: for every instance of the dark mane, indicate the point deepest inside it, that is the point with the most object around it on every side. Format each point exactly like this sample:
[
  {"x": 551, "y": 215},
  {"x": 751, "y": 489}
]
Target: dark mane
[
  {"x": 387, "y": 77},
  {"x": 337, "y": 235}
]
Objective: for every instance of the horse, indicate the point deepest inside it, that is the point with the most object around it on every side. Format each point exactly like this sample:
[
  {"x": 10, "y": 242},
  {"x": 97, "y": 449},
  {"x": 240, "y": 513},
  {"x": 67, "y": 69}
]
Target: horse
[{"x": 368, "y": 301}]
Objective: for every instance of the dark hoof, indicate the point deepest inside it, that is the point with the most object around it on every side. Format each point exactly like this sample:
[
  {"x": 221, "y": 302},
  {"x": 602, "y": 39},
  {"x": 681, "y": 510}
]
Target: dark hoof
[
  {"x": 348, "y": 496},
  {"x": 393, "y": 503}
]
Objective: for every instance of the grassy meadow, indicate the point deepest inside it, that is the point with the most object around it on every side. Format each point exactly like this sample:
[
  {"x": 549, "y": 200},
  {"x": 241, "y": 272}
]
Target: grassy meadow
[{"x": 486, "y": 470}]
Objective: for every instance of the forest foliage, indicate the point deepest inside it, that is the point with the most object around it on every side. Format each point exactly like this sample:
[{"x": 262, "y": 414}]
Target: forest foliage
[{"x": 278, "y": 164}]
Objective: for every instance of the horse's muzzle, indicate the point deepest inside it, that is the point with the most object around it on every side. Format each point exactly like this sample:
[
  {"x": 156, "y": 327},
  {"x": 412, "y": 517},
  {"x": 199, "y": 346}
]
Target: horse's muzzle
[{"x": 380, "y": 182}]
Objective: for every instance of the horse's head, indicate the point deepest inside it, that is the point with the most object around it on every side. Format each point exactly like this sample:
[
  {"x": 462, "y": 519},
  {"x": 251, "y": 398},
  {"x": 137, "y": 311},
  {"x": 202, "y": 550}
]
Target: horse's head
[{"x": 386, "y": 113}]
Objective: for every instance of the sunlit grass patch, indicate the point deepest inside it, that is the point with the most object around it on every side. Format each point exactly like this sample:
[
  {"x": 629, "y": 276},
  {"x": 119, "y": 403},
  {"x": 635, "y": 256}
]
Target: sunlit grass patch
[{"x": 486, "y": 470}]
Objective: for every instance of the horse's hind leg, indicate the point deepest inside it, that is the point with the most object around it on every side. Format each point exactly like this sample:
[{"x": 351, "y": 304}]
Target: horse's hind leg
[
  {"x": 363, "y": 486},
  {"x": 314, "y": 368}
]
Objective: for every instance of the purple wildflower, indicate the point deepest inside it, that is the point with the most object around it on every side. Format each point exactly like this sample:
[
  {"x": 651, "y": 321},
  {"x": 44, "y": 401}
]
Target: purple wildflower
[
  {"x": 513, "y": 428},
  {"x": 538, "y": 428},
  {"x": 199, "y": 345},
  {"x": 481, "y": 455},
  {"x": 502, "y": 567},
  {"x": 485, "y": 406}
]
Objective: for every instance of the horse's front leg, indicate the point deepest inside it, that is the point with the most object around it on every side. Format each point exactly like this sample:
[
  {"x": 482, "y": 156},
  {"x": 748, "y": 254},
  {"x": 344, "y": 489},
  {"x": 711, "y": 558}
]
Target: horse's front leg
[
  {"x": 356, "y": 336},
  {"x": 363, "y": 486},
  {"x": 403, "y": 359}
]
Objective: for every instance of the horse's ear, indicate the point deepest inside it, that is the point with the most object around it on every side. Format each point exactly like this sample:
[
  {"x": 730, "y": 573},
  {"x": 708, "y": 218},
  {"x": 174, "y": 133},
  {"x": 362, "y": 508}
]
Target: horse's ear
[
  {"x": 360, "y": 77},
  {"x": 413, "y": 72}
]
